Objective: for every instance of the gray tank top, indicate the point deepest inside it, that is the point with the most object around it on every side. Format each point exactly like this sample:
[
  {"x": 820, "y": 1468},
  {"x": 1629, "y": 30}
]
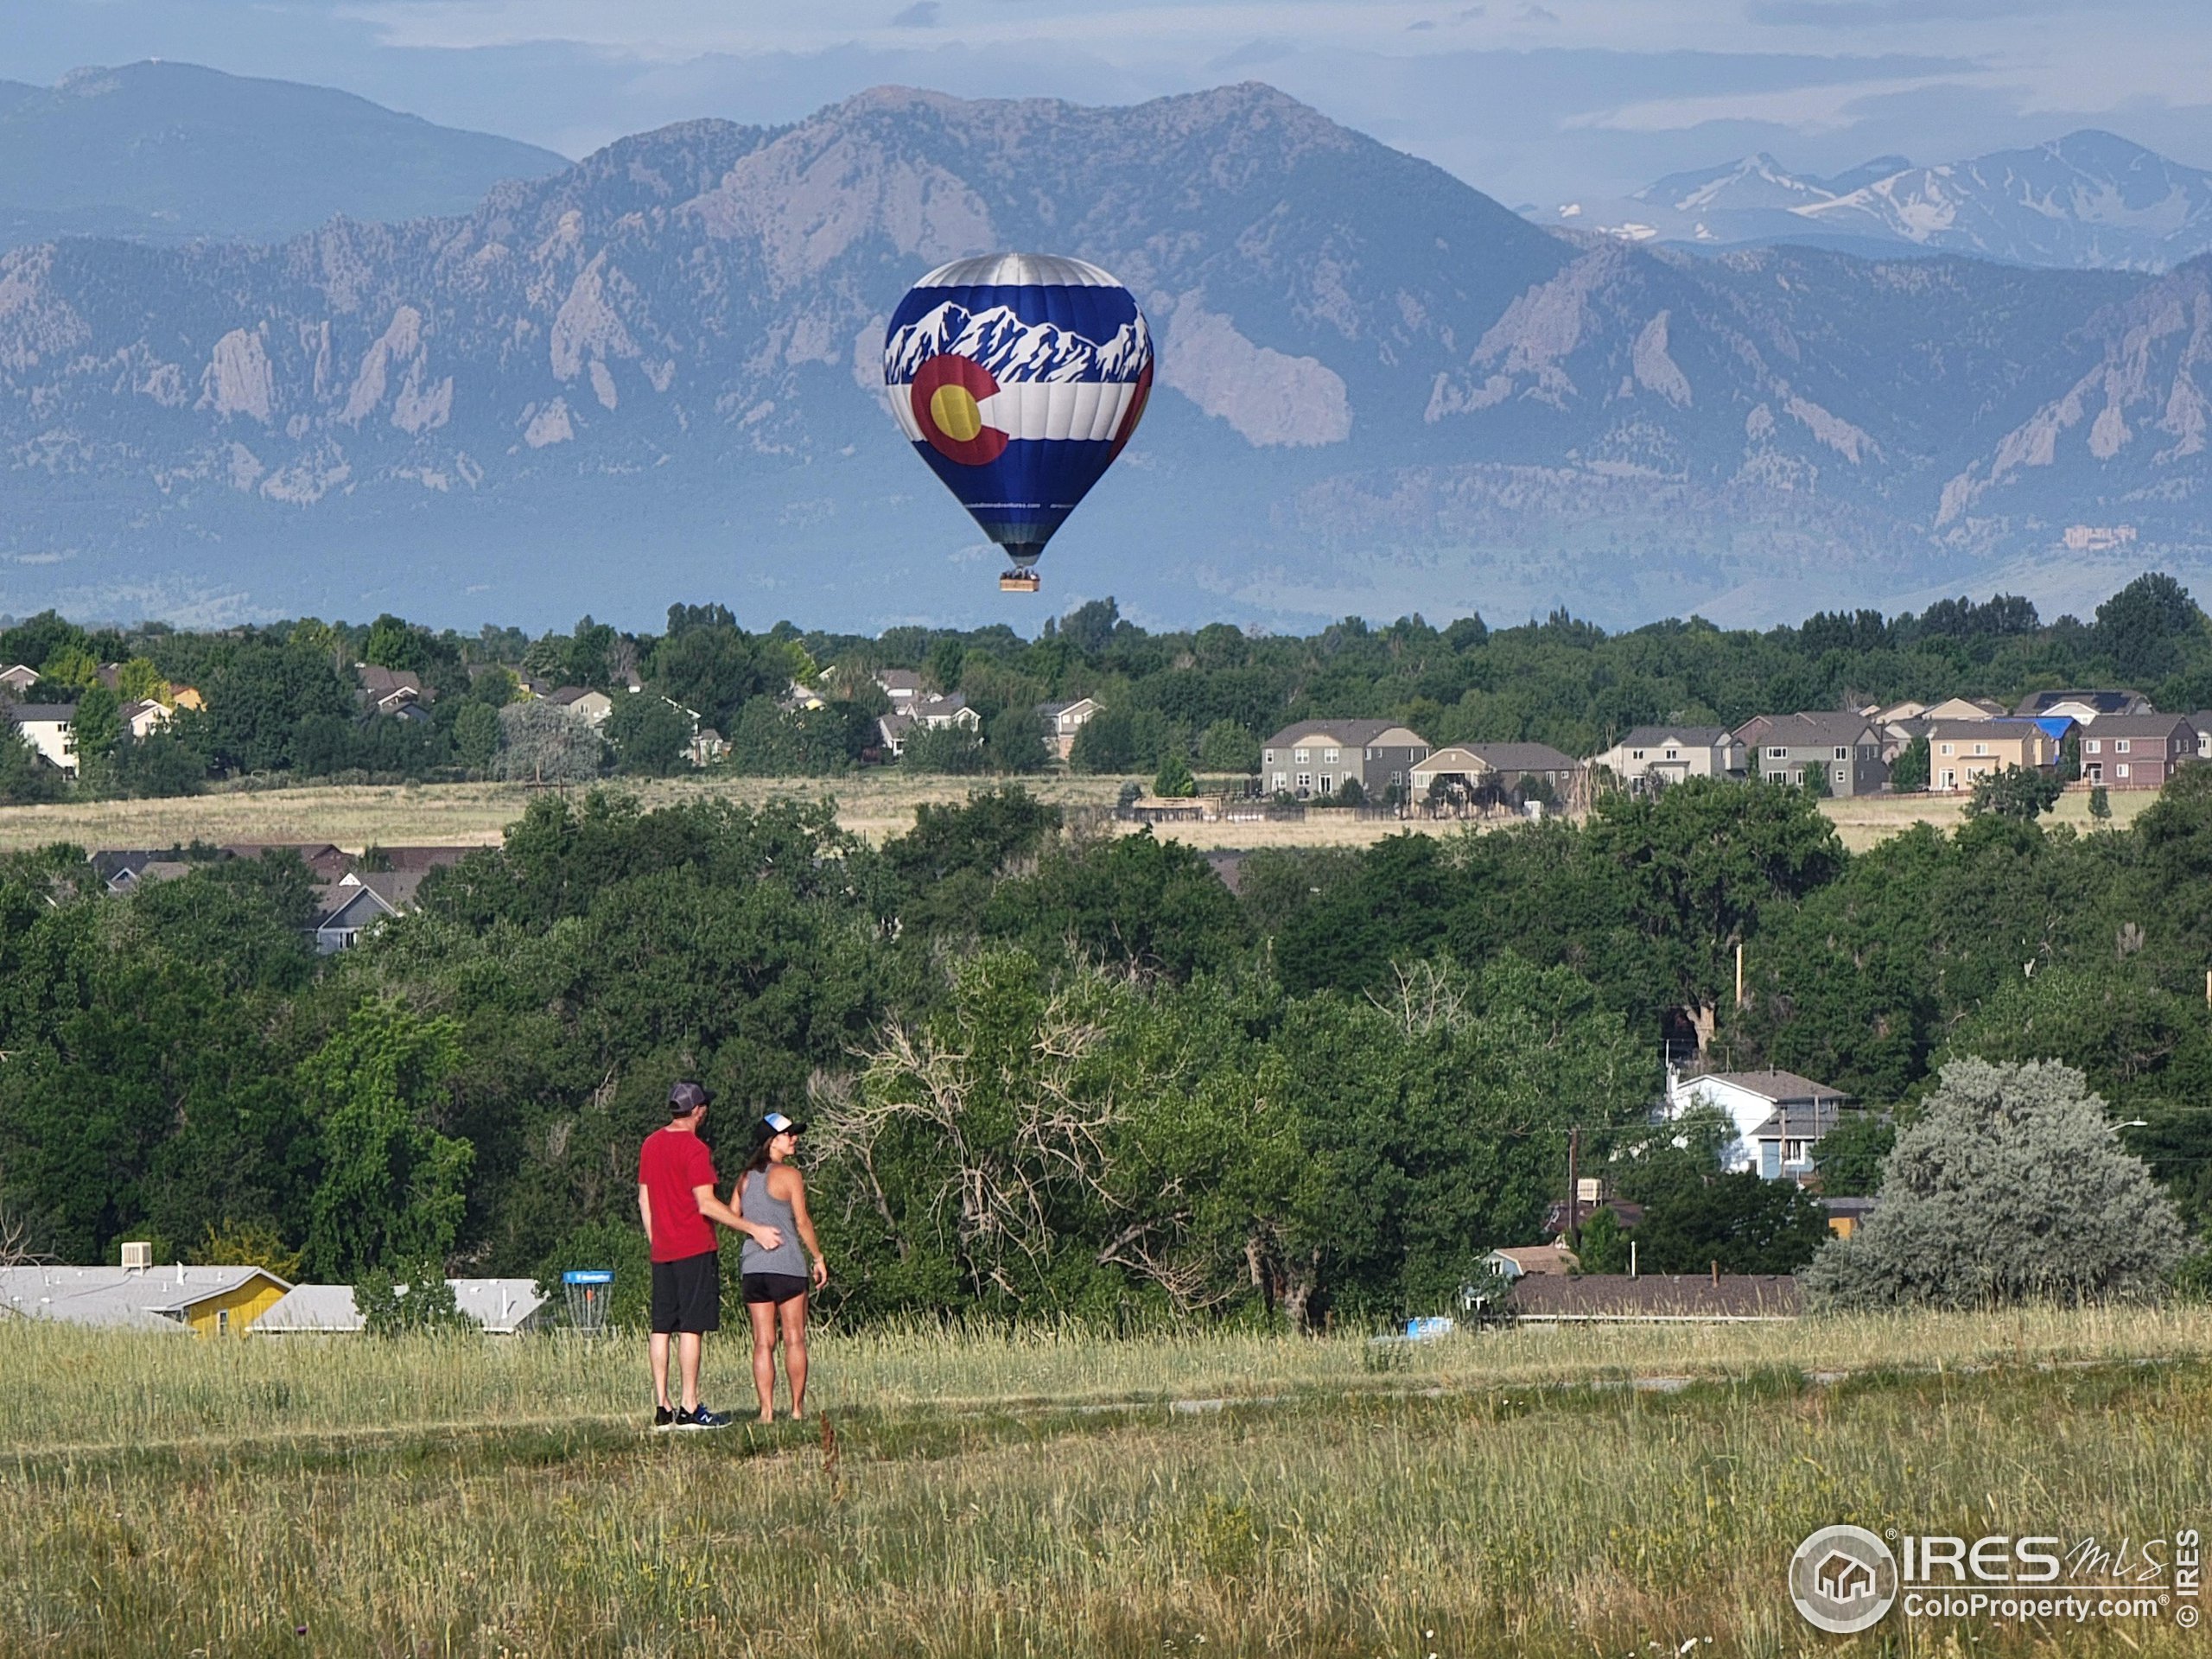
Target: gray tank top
[{"x": 756, "y": 1204}]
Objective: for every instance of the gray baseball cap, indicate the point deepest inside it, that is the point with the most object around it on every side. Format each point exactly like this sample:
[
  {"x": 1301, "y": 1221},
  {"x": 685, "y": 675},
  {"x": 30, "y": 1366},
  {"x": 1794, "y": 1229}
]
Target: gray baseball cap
[{"x": 687, "y": 1098}]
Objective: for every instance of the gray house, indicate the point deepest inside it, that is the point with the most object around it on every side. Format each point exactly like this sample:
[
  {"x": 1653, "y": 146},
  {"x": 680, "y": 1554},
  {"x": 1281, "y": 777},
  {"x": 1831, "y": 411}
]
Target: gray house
[
  {"x": 1847, "y": 748},
  {"x": 1318, "y": 757},
  {"x": 1651, "y": 757}
]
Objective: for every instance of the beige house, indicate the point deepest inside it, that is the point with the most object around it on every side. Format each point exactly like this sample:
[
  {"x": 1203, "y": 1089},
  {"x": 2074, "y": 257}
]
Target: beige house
[
  {"x": 1320, "y": 757},
  {"x": 143, "y": 718},
  {"x": 1062, "y": 720},
  {"x": 1959, "y": 751},
  {"x": 49, "y": 727},
  {"x": 1965, "y": 708},
  {"x": 1652, "y": 756},
  {"x": 590, "y": 707},
  {"x": 1474, "y": 771}
]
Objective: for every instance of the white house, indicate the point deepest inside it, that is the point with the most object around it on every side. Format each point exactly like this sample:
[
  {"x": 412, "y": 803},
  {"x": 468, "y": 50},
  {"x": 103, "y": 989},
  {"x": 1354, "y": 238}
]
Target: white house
[
  {"x": 587, "y": 705},
  {"x": 1655, "y": 756},
  {"x": 49, "y": 727},
  {"x": 1778, "y": 1116},
  {"x": 143, "y": 718}
]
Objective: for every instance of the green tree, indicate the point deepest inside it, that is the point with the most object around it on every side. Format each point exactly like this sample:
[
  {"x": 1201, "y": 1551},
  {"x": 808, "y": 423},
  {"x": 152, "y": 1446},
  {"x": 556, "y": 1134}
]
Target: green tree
[
  {"x": 392, "y": 1191},
  {"x": 1850, "y": 1156},
  {"x": 542, "y": 743},
  {"x": 2011, "y": 1187},
  {"x": 1174, "y": 781},
  {"x": 476, "y": 735},
  {"x": 1016, "y": 741},
  {"x": 1741, "y": 1221},
  {"x": 2021, "y": 792},
  {"x": 953, "y": 749},
  {"x": 396, "y": 643},
  {"x": 98, "y": 722},
  {"x": 25, "y": 776},
  {"x": 2100, "y": 804},
  {"x": 139, "y": 681},
  {"x": 421, "y": 1302},
  {"x": 651, "y": 734},
  {"x": 1602, "y": 1244},
  {"x": 2141, "y": 629},
  {"x": 1816, "y": 776},
  {"x": 1107, "y": 744},
  {"x": 1908, "y": 774},
  {"x": 1228, "y": 746}
]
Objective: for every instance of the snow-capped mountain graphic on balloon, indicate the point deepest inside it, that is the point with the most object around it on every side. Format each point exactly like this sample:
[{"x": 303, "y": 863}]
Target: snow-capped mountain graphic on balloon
[
  {"x": 1018, "y": 377},
  {"x": 1013, "y": 350}
]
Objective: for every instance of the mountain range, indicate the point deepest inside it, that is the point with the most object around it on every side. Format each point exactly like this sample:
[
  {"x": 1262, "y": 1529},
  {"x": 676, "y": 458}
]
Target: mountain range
[
  {"x": 2089, "y": 200},
  {"x": 656, "y": 374},
  {"x": 172, "y": 152}
]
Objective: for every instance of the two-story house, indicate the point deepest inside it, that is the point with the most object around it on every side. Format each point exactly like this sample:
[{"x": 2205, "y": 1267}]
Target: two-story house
[
  {"x": 2084, "y": 707},
  {"x": 2136, "y": 751},
  {"x": 1651, "y": 757},
  {"x": 49, "y": 727},
  {"x": 1779, "y": 1117},
  {"x": 1962, "y": 751},
  {"x": 1846, "y": 748},
  {"x": 1062, "y": 720},
  {"x": 1484, "y": 771},
  {"x": 1318, "y": 757}
]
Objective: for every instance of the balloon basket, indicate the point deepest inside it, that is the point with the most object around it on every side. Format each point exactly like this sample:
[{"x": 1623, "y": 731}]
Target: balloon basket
[{"x": 1020, "y": 582}]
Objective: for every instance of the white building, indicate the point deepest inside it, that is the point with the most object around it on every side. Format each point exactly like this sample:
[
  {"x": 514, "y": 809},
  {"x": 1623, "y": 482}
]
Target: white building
[
  {"x": 49, "y": 727},
  {"x": 1778, "y": 1116}
]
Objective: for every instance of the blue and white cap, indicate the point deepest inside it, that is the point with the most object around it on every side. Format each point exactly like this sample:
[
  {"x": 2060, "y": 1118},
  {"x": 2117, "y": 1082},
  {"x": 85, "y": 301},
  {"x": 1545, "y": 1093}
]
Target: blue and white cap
[{"x": 776, "y": 1123}]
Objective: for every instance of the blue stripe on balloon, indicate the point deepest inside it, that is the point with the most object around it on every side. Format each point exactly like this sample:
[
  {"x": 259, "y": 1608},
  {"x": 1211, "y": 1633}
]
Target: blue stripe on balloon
[{"x": 1029, "y": 489}]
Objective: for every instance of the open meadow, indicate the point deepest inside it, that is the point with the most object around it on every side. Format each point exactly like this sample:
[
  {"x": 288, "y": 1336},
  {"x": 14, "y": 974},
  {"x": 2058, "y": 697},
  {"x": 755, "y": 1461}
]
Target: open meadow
[
  {"x": 1624, "y": 1491},
  {"x": 873, "y": 804}
]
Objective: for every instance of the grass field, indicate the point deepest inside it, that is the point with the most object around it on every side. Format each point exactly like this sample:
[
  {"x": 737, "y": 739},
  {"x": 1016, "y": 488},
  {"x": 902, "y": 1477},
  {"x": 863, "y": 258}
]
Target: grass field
[
  {"x": 873, "y": 804},
  {"x": 1603, "y": 1492}
]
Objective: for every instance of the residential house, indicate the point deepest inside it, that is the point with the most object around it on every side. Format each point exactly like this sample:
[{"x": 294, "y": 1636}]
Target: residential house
[
  {"x": 2084, "y": 707},
  {"x": 185, "y": 696},
  {"x": 1651, "y": 757},
  {"x": 1654, "y": 1299},
  {"x": 394, "y": 691},
  {"x": 18, "y": 680},
  {"x": 707, "y": 747},
  {"x": 328, "y": 863},
  {"x": 360, "y": 902},
  {"x": 2201, "y": 721},
  {"x": 49, "y": 727},
  {"x": 1846, "y": 748},
  {"x": 1965, "y": 708},
  {"x": 1318, "y": 757},
  {"x": 1062, "y": 720},
  {"x": 1772, "y": 1111},
  {"x": 419, "y": 859},
  {"x": 1846, "y": 1215},
  {"x": 902, "y": 686},
  {"x": 205, "y": 1301},
  {"x": 1487, "y": 773},
  {"x": 892, "y": 729},
  {"x": 937, "y": 713},
  {"x": 142, "y": 717},
  {"x": 2136, "y": 751},
  {"x": 1959, "y": 751},
  {"x": 589, "y": 705},
  {"x": 504, "y": 1308},
  {"x": 1519, "y": 1261}
]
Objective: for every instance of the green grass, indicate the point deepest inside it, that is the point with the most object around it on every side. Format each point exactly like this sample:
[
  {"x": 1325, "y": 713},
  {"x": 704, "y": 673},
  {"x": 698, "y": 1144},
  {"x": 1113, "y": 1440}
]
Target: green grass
[{"x": 1512, "y": 1492}]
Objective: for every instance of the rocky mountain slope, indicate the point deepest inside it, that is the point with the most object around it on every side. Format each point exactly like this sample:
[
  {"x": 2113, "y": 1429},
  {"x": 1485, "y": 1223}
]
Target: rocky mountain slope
[
  {"x": 169, "y": 152},
  {"x": 655, "y": 375}
]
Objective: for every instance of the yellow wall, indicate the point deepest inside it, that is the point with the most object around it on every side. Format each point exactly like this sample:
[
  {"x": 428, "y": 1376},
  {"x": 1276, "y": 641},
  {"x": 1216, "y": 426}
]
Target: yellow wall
[
  {"x": 245, "y": 1305},
  {"x": 1842, "y": 1226}
]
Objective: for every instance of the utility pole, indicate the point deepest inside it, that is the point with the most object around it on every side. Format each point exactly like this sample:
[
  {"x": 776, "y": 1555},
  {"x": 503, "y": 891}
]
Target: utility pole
[
  {"x": 1740, "y": 978},
  {"x": 1574, "y": 1187}
]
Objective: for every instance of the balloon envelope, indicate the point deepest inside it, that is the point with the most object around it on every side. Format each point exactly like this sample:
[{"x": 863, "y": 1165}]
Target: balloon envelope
[{"x": 1018, "y": 377}]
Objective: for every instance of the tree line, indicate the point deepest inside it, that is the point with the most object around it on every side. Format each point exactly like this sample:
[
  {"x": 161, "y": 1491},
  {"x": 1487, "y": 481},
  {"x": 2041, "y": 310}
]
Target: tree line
[
  {"x": 1059, "y": 1076},
  {"x": 281, "y": 698}
]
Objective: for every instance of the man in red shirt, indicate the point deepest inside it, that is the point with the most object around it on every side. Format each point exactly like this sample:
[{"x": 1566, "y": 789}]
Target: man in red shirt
[{"x": 676, "y": 1199}]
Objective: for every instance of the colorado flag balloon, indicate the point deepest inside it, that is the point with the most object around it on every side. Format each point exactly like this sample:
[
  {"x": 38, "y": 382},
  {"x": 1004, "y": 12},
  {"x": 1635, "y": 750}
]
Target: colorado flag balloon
[{"x": 1019, "y": 378}]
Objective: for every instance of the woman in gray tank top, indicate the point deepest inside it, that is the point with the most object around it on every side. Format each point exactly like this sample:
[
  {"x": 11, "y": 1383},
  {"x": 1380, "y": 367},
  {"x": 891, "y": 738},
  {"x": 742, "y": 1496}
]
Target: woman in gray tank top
[{"x": 772, "y": 1192}]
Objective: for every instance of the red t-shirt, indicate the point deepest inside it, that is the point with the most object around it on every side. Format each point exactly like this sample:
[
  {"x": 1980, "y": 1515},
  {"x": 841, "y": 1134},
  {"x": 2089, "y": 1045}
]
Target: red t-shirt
[{"x": 670, "y": 1163}]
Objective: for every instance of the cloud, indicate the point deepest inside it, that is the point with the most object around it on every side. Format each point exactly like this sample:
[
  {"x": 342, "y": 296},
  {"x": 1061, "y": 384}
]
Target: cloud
[
  {"x": 1534, "y": 14},
  {"x": 921, "y": 15},
  {"x": 1863, "y": 14}
]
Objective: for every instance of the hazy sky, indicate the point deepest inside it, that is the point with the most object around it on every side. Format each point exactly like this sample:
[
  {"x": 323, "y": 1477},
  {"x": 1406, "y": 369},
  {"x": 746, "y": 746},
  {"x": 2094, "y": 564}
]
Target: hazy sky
[{"x": 1533, "y": 100}]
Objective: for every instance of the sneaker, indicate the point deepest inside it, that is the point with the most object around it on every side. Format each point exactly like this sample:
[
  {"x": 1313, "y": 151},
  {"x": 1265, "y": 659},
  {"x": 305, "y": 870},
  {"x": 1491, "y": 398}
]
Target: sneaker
[
  {"x": 700, "y": 1417},
  {"x": 664, "y": 1418}
]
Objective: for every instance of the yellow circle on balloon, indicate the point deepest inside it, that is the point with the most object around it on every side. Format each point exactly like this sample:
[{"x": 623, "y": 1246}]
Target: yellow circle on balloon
[{"x": 953, "y": 408}]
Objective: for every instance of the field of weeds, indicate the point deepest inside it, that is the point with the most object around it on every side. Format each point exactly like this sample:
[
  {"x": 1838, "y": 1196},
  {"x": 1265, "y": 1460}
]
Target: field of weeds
[{"x": 1570, "y": 1491}]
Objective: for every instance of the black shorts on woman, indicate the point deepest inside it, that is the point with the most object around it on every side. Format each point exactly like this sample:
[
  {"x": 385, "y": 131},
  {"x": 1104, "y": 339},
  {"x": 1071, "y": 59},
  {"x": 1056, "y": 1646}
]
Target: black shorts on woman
[{"x": 777, "y": 1288}]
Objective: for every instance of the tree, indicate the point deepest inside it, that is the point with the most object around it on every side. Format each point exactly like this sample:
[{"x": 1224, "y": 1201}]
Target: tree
[
  {"x": 1850, "y": 1156},
  {"x": 2140, "y": 628},
  {"x": 1228, "y": 746},
  {"x": 1745, "y": 1224},
  {"x": 396, "y": 643},
  {"x": 1349, "y": 793},
  {"x": 2024, "y": 793},
  {"x": 955, "y": 749},
  {"x": 98, "y": 722},
  {"x": 2100, "y": 804},
  {"x": 1174, "y": 781},
  {"x": 423, "y": 1301},
  {"x": 476, "y": 735},
  {"x": 652, "y": 736},
  {"x": 392, "y": 1193},
  {"x": 1016, "y": 741},
  {"x": 545, "y": 744},
  {"x": 1815, "y": 774},
  {"x": 1602, "y": 1245},
  {"x": 2011, "y": 1187},
  {"x": 1909, "y": 774},
  {"x": 25, "y": 776},
  {"x": 1106, "y": 744}
]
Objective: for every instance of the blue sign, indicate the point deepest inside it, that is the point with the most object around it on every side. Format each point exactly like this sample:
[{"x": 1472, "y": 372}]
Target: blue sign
[{"x": 587, "y": 1276}]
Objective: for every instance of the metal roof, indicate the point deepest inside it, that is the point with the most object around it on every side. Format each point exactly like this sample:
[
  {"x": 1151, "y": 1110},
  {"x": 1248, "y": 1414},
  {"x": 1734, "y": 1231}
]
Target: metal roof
[
  {"x": 502, "y": 1307},
  {"x": 142, "y": 1298}
]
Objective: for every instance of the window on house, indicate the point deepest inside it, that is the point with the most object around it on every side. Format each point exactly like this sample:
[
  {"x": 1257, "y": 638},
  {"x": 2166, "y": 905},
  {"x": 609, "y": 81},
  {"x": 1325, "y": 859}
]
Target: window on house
[
  {"x": 1982, "y": 748},
  {"x": 1329, "y": 757},
  {"x": 2119, "y": 745},
  {"x": 1843, "y": 774},
  {"x": 2092, "y": 746},
  {"x": 2121, "y": 769},
  {"x": 1302, "y": 756},
  {"x": 1843, "y": 754},
  {"x": 1778, "y": 776},
  {"x": 222, "y": 1321},
  {"x": 1638, "y": 754},
  {"x": 1280, "y": 780},
  {"x": 1777, "y": 754},
  {"x": 1398, "y": 780},
  {"x": 1305, "y": 782},
  {"x": 1328, "y": 784},
  {"x": 1672, "y": 754},
  {"x": 1946, "y": 749},
  {"x": 1269, "y": 757}
]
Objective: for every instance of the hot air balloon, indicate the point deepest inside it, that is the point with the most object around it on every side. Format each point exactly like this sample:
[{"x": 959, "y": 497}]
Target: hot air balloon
[{"x": 1019, "y": 378}]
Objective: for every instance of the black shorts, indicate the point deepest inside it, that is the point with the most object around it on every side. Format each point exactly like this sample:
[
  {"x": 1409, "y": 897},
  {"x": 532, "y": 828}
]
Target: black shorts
[
  {"x": 688, "y": 1294},
  {"x": 774, "y": 1286}
]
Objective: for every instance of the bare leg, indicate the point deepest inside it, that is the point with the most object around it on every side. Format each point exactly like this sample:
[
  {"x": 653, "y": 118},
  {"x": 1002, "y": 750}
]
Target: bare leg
[
  {"x": 687, "y": 1356},
  {"x": 763, "y": 1315},
  {"x": 660, "y": 1369},
  {"x": 793, "y": 1317}
]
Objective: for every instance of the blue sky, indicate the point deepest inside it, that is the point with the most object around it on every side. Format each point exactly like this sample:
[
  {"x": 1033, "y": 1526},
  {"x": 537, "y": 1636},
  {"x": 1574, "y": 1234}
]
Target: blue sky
[{"x": 1532, "y": 100}]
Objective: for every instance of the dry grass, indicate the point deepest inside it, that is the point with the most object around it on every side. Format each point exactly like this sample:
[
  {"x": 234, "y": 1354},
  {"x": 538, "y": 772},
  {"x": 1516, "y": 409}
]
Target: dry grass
[
  {"x": 263, "y": 1495},
  {"x": 1870, "y": 819}
]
